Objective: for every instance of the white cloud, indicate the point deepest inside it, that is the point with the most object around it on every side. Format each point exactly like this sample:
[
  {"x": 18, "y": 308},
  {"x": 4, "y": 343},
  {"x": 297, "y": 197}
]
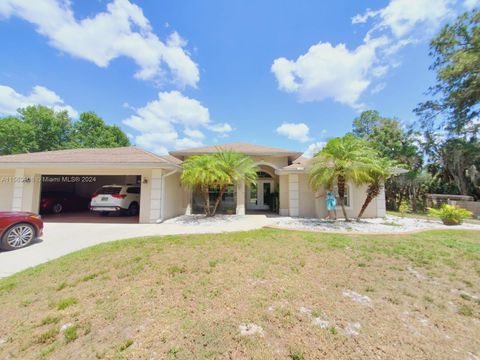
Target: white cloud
[
  {"x": 403, "y": 16},
  {"x": 294, "y": 131},
  {"x": 378, "y": 88},
  {"x": 470, "y": 4},
  {"x": 10, "y": 100},
  {"x": 186, "y": 143},
  {"x": 122, "y": 30},
  {"x": 151, "y": 141},
  {"x": 194, "y": 133},
  {"x": 220, "y": 128},
  {"x": 363, "y": 18},
  {"x": 329, "y": 71},
  {"x": 314, "y": 148},
  {"x": 160, "y": 121}
]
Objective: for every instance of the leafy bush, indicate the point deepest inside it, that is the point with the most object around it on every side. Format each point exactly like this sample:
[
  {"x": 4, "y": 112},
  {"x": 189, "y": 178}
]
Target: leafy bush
[
  {"x": 404, "y": 207},
  {"x": 450, "y": 214}
]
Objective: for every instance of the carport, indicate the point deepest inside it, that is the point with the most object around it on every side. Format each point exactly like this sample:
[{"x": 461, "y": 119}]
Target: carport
[{"x": 82, "y": 171}]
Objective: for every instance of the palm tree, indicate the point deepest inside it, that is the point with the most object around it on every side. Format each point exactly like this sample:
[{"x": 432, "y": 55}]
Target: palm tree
[
  {"x": 380, "y": 170},
  {"x": 236, "y": 166},
  {"x": 217, "y": 171},
  {"x": 343, "y": 159},
  {"x": 203, "y": 172}
]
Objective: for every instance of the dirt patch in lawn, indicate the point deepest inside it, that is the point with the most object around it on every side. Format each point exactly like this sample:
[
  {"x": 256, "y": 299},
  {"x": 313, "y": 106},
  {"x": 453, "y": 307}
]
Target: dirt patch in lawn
[{"x": 254, "y": 295}]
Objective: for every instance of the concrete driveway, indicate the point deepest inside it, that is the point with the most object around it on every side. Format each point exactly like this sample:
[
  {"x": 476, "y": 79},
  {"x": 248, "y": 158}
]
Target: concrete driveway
[{"x": 63, "y": 238}]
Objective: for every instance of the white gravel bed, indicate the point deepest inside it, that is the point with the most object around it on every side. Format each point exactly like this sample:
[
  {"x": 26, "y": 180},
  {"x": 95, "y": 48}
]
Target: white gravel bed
[
  {"x": 389, "y": 224},
  {"x": 200, "y": 219}
]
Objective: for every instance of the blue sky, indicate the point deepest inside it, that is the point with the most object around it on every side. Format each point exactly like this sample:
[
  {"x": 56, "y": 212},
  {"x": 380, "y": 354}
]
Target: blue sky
[{"x": 177, "y": 74}]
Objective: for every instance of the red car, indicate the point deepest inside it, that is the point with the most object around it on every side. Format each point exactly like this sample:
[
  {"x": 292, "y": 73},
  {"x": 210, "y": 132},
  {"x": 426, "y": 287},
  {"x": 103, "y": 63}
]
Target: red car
[
  {"x": 59, "y": 201},
  {"x": 18, "y": 229}
]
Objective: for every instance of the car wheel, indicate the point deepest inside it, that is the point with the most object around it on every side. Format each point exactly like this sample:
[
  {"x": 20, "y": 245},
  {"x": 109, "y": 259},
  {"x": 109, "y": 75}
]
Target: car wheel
[
  {"x": 18, "y": 236},
  {"x": 57, "y": 208},
  {"x": 133, "y": 209}
]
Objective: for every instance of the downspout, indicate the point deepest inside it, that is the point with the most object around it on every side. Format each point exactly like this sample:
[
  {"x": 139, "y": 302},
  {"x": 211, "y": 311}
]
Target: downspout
[{"x": 164, "y": 191}]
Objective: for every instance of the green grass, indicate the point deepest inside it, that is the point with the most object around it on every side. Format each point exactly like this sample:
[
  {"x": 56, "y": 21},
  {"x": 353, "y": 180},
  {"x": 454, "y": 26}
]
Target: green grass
[
  {"x": 333, "y": 330},
  {"x": 465, "y": 310},
  {"x": 70, "y": 334},
  {"x": 50, "y": 320},
  {"x": 47, "y": 336},
  {"x": 147, "y": 291},
  {"x": 296, "y": 355},
  {"x": 65, "y": 303},
  {"x": 126, "y": 344}
]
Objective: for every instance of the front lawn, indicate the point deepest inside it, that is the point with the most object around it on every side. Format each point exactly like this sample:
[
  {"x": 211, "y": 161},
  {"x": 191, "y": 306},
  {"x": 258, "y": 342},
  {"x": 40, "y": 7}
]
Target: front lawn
[{"x": 262, "y": 294}]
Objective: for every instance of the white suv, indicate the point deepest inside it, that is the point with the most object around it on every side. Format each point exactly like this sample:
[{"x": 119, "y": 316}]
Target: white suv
[{"x": 116, "y": 198}]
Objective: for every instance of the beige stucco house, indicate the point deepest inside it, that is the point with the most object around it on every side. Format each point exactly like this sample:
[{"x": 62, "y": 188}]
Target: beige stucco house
[{"x": 23, "y": 177}]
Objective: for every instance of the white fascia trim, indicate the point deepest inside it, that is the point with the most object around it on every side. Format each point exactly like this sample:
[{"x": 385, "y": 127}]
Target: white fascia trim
[{"x": 286, "y": 172}]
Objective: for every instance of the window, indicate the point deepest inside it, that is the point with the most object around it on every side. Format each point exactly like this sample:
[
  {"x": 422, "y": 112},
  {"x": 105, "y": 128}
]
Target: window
[
  {"x": 133, "y": 190},
  {"x": 226, "y": 203},
  {"x": 263, "y": 175},
  {"x": 108, "y": 190},
  {"x": 347, "y": 201}
]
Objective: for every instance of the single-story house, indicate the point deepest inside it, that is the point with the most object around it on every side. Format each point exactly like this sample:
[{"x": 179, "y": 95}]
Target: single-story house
[{"x": 284, "y": 173}]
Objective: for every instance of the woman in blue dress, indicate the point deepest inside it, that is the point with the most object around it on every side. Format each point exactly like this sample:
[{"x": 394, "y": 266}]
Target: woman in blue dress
[{"x": 331, "y": 202}]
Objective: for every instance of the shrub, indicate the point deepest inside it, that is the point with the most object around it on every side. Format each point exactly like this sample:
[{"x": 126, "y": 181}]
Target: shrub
[
  {"x": 404, "y": 207},
  {"x": 450, "y": 214}
]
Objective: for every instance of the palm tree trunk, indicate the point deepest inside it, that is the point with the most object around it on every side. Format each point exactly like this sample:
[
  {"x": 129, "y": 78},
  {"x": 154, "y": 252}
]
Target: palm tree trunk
[
  {"x": 341, "y": 195},
  {"x": 206, "y": 196},
  {"x": 372, "y": 192},
  {"x": 219, "y": 198}
]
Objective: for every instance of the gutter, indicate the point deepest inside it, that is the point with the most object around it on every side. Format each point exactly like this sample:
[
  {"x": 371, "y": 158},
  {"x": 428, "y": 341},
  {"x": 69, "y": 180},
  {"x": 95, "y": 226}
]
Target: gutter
[{"x": 164, "y": 191}]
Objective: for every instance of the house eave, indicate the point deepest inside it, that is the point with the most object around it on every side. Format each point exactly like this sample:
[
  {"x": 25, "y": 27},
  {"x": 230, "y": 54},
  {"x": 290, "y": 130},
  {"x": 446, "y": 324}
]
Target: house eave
[{"x": 103, "y": 165}]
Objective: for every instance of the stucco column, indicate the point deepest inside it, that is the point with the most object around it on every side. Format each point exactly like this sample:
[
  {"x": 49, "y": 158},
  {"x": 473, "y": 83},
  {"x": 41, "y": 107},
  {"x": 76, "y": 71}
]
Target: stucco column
[
  {"x": 155, "y": 195},
  {"x": 240, "y": 210},
  {"x": 18, "y": 185},
  {"x": 381, "y": 203},
  {"x": 283, "y": 195},
  {"x": 293, "y": 195},
  {"x": 35, "y": 190}
]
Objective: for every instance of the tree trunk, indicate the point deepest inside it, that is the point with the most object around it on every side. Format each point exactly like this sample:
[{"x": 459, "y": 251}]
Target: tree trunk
[
  {"x": 219, "y": 198},
  {"x": 372, "y": 192},
  {"x": 206, "y": 197},
  {"x": 341, "y": 195}
]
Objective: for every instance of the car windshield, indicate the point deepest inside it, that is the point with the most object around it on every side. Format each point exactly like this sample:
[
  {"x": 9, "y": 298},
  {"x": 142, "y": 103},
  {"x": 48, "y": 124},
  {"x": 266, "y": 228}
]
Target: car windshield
[{"x": 109, "y": 190}]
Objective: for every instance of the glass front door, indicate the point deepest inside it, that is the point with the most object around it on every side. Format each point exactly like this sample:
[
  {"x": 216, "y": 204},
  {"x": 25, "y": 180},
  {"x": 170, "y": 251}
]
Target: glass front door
[
  {"x": 259, "y": 195},
  {"x": 267, "y": 193}
]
